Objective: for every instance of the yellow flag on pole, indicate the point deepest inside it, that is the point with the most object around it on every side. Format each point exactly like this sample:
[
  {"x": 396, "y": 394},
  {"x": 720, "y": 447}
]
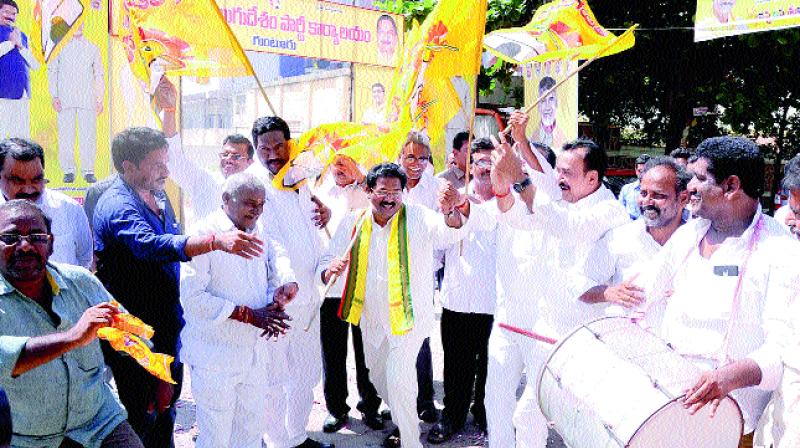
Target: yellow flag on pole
[{"x": 561, "y": 29}]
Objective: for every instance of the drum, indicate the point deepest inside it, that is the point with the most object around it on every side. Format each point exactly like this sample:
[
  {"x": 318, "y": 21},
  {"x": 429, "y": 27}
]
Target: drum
[{"x": 610, "y": 383}]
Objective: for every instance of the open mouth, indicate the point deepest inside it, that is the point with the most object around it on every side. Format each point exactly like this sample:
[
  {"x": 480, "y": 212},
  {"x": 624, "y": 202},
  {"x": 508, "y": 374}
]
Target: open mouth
[
  {"x": 388, "y": 205},
  {"x": 563, "y": 187}
]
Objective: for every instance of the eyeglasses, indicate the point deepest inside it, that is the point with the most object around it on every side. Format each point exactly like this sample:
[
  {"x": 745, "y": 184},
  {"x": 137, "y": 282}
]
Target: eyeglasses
[
  {"x": 19, "y": 182},
  {"x": 230, "y": 155},
  {"x": 411, "y": 159},
  {"x": 387, "y": 194},
  {"x": 483, "y": 163},
  {"x": 12, "y": 239}
]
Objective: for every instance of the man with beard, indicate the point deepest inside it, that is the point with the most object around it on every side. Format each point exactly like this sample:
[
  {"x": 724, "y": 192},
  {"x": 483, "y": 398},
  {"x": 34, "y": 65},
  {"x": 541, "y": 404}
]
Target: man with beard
[
  {"x": 629, "y": 194},
  {"x": 789, "y": 216},
  {"x": 343, "y": 190},
  {"x": 226, "y": 319},
  {"x": 718, "y": 291},
  {"x": 138, "y": 247},
  {"x": 388, "y": 286},
  {"x": 468, "y": 301},
  {"x": 52, "y": 364},
  {"x": 22, "y": 177},
  {"x": 292, "y": 218},
  {"x": 623, "y": 252},
  {"x": 547, "y": 229}
]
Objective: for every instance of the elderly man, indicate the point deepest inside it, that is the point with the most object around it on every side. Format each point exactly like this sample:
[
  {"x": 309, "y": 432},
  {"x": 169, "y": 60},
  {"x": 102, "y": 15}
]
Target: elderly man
[
  {"x": 22, "y": 177},
  {"x": 291, "y": 218},
  {"x": 790, "y": 216},
  {"x": 623, "y": 253},
  {"x": 468, "y": 301},
  {"x": 629, "y": 193},
  {"x": 225, "y": 319},
  {"x": 456, "y": 174},
  {"x": 548, "y": 227},
  {"x": 718, "y": 291},
  {"x": 138, "y": 249},
  {"x": 395, "y": 313},
  {"x": 52, "y": 365}
]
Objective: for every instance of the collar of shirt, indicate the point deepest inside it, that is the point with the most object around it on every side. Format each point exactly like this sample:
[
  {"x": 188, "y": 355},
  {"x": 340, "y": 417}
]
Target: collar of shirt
[
  {"x": 737, "y": 242},
  {"x": 596, "y": 197},
  {"x": 57, "y": 284},
  {"x": 223, "y": 222}
]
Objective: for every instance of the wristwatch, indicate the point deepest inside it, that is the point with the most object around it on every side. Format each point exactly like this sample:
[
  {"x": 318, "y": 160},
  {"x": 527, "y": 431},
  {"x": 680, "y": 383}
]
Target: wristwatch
[{"x": 519, "y": 187}]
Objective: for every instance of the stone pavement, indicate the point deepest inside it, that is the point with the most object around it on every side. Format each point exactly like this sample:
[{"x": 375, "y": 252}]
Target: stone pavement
[{"x": 355, "y": 434}]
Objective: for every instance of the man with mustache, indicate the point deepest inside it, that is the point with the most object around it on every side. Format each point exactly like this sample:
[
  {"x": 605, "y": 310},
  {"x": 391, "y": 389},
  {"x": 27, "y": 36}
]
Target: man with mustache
[
  {"x": 343, "y": 190},
  {"x": 549, "y": 221},
  {"x": 234, "y": 371},
  {"x": 293, "y": 217},
  {"x": 456, "y": 174},
  {"x": 718, "y": 292},
  {"x": 623, "y": 252},
  {"x": 139, "y": 247},
  {"x": 22, "y": 177},
  {"x": 388, "y": 286},
  {"x": 52, "y": 364},
  {"x": 16, "y": 61},
  {"x": 789, "y": 215},
  {"x": 468, "y": 302}
]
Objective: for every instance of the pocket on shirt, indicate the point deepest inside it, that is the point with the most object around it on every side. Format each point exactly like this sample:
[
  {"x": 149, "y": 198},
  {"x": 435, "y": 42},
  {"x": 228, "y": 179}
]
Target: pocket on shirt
[{"x": 89, "y": 358}]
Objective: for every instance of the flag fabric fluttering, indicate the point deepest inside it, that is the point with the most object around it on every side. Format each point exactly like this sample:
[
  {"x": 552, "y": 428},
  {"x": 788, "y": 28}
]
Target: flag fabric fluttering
[
  {"x": 53, "y": 25},
  {"x": 559, "y": 30},
  {"x": 199, "y": 43}
]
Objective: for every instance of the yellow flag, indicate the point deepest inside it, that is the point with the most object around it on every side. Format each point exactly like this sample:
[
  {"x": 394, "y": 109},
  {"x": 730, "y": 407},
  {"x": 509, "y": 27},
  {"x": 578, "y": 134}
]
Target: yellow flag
[
  {"x": 54, "y": 23},
  {"x": 437, "y": 77},
  {"x": 181, "y": 38},
  {"x": 561, "y": 29}
]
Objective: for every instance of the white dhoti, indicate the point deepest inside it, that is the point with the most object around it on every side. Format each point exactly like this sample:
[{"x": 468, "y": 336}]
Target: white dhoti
[
  {"x": 85, "y": 121},
  {"x": 15, "y": 118},
  {"x": 291, "y": 402},
  {"x": 509, "y": 356},
  {"x": 392, "y": 369},
  {"x": 787, "y": 410}
]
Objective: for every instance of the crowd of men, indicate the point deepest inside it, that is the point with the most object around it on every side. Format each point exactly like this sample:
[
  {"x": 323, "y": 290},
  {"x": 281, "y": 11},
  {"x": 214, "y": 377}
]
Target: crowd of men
[{"x": 257, "y": 303}]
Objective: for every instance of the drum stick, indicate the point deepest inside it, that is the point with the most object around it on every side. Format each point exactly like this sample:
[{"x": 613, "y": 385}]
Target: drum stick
[
  {"x": 528, "y": 333},
  {"x": 335, "y": 277}
]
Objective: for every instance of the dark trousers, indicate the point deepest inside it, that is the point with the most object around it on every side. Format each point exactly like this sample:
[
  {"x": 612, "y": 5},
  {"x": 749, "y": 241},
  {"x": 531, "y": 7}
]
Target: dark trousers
[
  {"x": 334, "y": 335},
  {"x": 122, "y": 436},
  {"x": 465, "y": 341},
  {"x": 425, "y": 377},
  {"x": 136, "y": 388}
]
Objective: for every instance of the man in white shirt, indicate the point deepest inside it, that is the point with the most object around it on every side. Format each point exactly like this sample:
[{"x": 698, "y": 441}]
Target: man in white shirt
[
  {"x": 789, "y": 216},
  {"x": 422, "y": 189},
  {"x": 77, "y": 87},
  {"x": 551, "y": 238},
  {"x": 234, "y": 370},
  {"x": 22, "y": 177},
  {"x": 343, "y": 191},
  {"x": 293, "y": 218},
  {"x": 718, "y": 292},
  {"x": 393, "y": 324},
  {"x": 468, "y": 301},
  {"x": 618, "y": 258}
]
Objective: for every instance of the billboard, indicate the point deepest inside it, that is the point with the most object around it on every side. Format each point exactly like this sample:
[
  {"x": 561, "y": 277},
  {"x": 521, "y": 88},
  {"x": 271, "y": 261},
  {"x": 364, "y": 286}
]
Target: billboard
[{"x": 722, "y": 18}]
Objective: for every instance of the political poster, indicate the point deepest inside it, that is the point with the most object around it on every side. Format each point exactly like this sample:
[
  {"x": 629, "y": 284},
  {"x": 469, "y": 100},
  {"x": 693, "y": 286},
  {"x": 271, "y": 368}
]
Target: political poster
[
  {"x": 722, "y": 18},
  {"x": 370, "y": 91},
  {"x": 554, "y": 121}
]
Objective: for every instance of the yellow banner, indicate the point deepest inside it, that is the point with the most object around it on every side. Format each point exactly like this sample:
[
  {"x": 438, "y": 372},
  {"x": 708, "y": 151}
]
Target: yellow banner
[
  {"x": 722, "y": 18},
  {"x": 370, "y": 91},
  {"x": 316, "y": 29},
  {"x": 555, "y": 120}
]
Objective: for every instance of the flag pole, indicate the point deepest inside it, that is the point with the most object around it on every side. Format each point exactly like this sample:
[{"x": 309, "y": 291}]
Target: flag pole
[{"x": 575, "y": 72}]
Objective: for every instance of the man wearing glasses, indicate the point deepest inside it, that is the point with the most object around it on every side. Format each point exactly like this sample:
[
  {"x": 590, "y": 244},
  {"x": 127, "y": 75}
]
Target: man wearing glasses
[{"x": 22, "y": 177}]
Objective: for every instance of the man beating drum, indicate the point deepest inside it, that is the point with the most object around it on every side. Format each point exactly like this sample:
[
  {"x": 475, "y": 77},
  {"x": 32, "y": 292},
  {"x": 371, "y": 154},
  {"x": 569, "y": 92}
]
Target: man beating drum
[{"x": 719, "y": 290}]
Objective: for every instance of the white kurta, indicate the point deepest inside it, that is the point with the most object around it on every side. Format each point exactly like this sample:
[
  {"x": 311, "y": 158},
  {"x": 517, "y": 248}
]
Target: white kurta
[
  {"x": 287, "y": 218},
  {"x": 203, "y": 187},
  {"x": 391, "y": 358},
  {"x": 694, "y": 319},
  {"x": 225, "y": 355}
]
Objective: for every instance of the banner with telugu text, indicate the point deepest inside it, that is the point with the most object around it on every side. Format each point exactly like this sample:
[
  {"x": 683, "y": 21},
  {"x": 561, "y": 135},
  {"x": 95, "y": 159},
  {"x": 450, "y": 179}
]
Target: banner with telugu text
[
  {"x": 555, "y": 119},
  {"x": 316, "y": 29},
  {"x": 722, "y": 18}
]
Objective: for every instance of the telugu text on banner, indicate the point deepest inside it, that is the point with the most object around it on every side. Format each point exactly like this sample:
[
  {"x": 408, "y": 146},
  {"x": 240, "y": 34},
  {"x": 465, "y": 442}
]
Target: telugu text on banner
[{"x": 722, "y": 18}]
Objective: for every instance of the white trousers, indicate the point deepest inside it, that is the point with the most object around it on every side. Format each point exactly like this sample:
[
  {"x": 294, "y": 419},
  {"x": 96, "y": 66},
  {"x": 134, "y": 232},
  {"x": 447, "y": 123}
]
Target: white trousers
[
  {"x": 510, "y": 355},
  {"x": 232, "y": 405},
  {"x": 393, "y": 372},
  {"x": 290, "y": 403},
  {"x": 85, "y": 121},
  {"x": 15, "y": 118},
  {"x": 787, "y": 407}
]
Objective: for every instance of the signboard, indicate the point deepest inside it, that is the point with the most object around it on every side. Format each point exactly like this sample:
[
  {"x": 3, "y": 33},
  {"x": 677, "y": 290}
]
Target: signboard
[{"x": 721, "y": 18}]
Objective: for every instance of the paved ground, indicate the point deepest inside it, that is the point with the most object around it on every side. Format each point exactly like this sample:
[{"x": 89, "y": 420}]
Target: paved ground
[{"x": 356, "y": 434}]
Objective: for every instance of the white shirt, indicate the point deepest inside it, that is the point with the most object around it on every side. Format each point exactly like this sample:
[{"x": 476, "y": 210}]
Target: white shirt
[
  {"x": 76, "y": 75},
  {"x": 288, "y": 218},
  {"x": 203, "y": 187},
  {"x": 213, "y": 285},
  {"x": 426, "y": 233},
  {"x": 694, "y": 318},
  {"x": 469, "y": 276},
  {"x": 622, "y": 253},
  {"x": 426, "y": 192},
  {"x": 72, "y": 239}
]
